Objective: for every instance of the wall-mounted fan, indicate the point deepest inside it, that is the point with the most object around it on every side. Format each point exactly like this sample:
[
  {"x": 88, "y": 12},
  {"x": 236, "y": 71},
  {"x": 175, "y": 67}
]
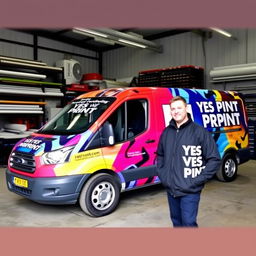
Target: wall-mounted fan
[{"x": 72, "y": 70}]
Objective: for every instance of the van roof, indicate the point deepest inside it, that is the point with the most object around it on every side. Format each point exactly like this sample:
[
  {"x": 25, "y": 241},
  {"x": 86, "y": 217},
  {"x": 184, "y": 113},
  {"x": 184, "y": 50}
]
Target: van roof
[
  {"x": 118, "y": 92},
  {"x": 130, "y": 91}
]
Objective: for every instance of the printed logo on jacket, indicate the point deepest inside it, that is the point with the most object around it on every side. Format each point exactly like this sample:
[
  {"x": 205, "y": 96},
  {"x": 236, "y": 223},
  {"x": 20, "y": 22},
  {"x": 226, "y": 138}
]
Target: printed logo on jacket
[{"x": 192, "y": 160}]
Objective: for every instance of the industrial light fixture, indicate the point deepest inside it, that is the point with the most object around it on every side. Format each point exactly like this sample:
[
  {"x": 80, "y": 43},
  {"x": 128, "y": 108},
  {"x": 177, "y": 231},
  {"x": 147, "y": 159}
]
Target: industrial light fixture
[
  {"x": 88, "y": 32},
  {"x": 112, "y": 36},
  {"x": 221, "y": 31},
  {"x": 132, "y": 43}
]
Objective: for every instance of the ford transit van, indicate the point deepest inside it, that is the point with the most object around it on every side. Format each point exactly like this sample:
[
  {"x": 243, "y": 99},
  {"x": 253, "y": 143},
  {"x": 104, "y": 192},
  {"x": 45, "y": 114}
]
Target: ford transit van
[{"x": 104, "y": 142}]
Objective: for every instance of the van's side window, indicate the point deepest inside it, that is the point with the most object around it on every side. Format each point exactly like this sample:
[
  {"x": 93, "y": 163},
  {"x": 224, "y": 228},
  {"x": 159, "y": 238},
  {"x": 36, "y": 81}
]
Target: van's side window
[
  {"x": 129, "y": 120},
  {"x": 117, "y": 119},
  {"x": 136, "y": 117}
]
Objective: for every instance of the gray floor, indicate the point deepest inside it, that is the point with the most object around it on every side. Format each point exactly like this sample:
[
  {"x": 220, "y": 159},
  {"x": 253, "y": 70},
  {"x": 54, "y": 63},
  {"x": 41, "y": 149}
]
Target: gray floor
[{"x": 222, "y": 205}]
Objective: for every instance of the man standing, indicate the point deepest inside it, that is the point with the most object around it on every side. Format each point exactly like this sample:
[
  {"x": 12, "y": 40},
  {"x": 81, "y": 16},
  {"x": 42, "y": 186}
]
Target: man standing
[{"x": 187, "y": 157}]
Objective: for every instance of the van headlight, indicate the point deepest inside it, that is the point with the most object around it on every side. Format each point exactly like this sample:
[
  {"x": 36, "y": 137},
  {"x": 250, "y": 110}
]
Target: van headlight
[{"x": 57, "y": 156}]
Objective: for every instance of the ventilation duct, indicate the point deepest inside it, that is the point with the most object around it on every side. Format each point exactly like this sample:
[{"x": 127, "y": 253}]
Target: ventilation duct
[{"x": 233, "y": 73}]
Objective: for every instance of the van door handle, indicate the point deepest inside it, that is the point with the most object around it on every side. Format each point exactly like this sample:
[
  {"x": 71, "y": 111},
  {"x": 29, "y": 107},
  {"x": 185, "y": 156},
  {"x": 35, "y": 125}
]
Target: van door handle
[{"x": 150, "y": 141}]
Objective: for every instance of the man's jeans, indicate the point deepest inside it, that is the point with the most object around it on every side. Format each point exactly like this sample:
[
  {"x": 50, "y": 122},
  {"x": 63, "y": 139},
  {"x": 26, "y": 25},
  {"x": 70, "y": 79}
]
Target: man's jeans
[{"x": 184, "y": 209}]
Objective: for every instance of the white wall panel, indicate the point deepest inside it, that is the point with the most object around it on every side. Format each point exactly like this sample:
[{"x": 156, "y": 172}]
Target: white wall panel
[
  {"x": 14, "y": 50},
  {"x": 251, "y": 53},
  {"x": 183, "y": 49},
  {"x": 16, "y": 36},
  {"x": 64, "y": 47},
  {"x": 50, "y": 57},
  {"x": 224, "y": 51},
  {"x": 88, "y": 65}
]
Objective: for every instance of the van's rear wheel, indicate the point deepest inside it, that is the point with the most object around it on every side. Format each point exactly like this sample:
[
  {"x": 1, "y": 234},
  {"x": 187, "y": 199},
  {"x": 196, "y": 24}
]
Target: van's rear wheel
[
  {"x": 100, "y": 195},
  {"x": 228, "y": 169}
]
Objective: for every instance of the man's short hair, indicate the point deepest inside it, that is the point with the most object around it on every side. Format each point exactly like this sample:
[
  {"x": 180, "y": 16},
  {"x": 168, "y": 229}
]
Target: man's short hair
[{"x": 176, "y": 98}]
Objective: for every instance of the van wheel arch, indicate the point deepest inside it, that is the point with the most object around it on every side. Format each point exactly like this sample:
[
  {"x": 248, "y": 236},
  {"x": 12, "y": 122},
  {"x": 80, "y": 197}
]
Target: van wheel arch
[
  {"x": 110, "y": 172},
  {"x": 229, "y": 166}
]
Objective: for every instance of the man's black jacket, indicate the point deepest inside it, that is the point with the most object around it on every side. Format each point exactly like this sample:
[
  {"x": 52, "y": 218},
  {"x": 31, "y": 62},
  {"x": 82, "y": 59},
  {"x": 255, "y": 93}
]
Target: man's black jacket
[{"x": 187, "y": 157}]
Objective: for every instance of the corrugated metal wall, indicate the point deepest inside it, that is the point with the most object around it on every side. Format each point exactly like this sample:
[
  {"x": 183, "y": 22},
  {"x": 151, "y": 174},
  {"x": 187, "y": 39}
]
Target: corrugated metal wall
[
  {"x": 223, "y": 51},
  {"x": 16, "y": 36},
  {"x": 251, "y": 56},
  {"x": 48, "y": 56},
  {"x": 177, "y": 50},
  {"x": 17, "y": 51},
  {"x": 184, "y": 49},
  {"x": 14, "y": 50}
]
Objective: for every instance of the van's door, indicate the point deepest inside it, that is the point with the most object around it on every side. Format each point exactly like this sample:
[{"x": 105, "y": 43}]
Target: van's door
[{"x": 133, "y": 155}]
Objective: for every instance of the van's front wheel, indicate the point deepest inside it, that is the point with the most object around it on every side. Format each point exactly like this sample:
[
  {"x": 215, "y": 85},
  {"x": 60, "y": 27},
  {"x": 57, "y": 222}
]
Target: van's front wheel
[
  {"x": 228, "y": 169},
  {"x": 100, "y": 195}
]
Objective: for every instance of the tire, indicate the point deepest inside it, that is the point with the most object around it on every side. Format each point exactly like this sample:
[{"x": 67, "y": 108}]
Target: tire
[
  {"x": 228, "y": 169},
  {"x": 100, "y": 195}
]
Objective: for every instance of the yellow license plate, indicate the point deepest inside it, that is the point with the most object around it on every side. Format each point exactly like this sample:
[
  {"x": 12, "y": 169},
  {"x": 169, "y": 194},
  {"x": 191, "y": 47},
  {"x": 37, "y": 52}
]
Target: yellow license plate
[{"x": 20, "y": 182}]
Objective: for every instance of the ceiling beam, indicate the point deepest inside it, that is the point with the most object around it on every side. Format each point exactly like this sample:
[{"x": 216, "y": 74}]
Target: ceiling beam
[
  {"x": 167, "y": 33},
  {"x": 58, "y": 37}
]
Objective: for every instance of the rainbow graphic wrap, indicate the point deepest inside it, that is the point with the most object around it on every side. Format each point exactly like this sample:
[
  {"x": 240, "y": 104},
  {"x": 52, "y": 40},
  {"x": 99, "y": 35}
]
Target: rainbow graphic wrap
[{"x": 222, "y": 113}]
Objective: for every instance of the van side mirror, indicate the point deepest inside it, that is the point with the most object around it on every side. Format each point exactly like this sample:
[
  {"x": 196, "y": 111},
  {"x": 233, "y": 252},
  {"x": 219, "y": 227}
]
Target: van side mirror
[{"x": 107, "y": 134}]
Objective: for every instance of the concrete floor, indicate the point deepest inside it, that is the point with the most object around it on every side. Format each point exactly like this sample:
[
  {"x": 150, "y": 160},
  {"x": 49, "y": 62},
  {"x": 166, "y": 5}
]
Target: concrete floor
[{"x": 222, "y": 205}]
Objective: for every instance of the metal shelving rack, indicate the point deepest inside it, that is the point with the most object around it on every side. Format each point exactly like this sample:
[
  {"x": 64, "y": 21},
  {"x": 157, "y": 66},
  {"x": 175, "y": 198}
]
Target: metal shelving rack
[{"x": 24, "y": 86}]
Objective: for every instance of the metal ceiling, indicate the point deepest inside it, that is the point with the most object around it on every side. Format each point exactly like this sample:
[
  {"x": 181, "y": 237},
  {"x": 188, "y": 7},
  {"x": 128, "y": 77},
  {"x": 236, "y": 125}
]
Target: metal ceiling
[{"x": 86, "y": 42}]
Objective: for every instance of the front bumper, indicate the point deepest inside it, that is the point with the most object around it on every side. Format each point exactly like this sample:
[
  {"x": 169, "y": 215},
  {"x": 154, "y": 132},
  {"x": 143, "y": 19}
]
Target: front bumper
[{"x": 56, "y": 190}]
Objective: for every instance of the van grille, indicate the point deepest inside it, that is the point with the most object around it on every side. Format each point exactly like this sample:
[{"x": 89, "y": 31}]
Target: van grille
[{"x": 22, "y": 161}]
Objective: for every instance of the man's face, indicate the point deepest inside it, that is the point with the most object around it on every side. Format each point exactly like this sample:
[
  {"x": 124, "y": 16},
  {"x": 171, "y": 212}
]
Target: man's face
[{"x": 179, "y": 111}]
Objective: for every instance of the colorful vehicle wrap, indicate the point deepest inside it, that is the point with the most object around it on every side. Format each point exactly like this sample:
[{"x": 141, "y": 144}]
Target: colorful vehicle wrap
[{"x": 64, "y": 160}]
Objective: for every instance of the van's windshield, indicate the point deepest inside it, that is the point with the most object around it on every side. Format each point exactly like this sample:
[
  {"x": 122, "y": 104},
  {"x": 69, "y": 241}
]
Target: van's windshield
[{"x": 78, "y": 116}]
